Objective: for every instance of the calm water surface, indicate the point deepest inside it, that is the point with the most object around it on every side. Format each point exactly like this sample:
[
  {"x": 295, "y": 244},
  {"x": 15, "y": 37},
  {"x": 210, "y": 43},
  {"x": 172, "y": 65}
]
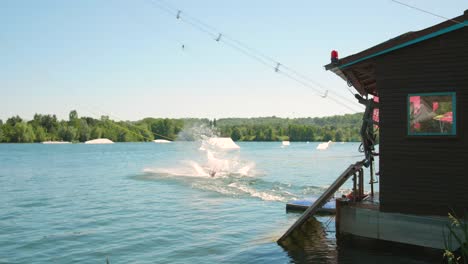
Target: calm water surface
[{"x": 140, "y": 203}]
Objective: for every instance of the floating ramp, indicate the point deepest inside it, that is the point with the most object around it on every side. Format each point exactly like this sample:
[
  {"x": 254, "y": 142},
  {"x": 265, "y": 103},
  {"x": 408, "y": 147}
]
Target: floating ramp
[
  {"x": 329, "y": 208},
  {"x": 323, "y": 199}
]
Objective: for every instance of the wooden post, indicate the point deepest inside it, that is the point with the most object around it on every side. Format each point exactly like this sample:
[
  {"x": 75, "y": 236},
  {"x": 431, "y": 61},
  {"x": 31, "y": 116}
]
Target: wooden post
[
  {"x": 355, "y": 192},
  {"x": 371, "y": 172},
  {"x": 338, "y": 203},
  {"x": 361, "y": 184}
]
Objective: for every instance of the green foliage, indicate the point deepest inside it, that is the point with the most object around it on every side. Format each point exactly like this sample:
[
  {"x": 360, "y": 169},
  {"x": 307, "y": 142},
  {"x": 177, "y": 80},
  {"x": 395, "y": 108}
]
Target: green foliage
[
  {"x": 40, "y": 134},
  {"x": 48, "y": 122},
  {"x": 96, "y": 132},
  {"x": 67, "y": 133},
  {"x": 458, "y": 232},
  {"x": 84, "y": 131},
  {"x": 12, "y": 121},
  {"x": 19, "y": 132},
  {"x": 73, "y": 116},
  {"x": 236, "y": 134},
  {"x": 163, "y": 128},
  {"x": 47, "y": 127},
  {"x": 335, "y": 128},
  {"x": 1, "y": 131},
  {"x": 338, "y": 135}
]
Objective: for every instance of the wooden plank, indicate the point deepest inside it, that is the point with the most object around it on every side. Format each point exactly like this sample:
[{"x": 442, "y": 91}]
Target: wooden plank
[
  {"x": 303, "y": 205},
  {"x": 323, "y": 198}
]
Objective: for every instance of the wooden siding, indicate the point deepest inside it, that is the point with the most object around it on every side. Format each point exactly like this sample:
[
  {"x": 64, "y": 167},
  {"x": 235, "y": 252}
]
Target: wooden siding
[{"x": 423, "y": 175}]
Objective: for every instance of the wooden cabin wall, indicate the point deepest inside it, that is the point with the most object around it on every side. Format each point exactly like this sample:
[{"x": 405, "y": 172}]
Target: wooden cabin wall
[{"x": 423, "y": 175}]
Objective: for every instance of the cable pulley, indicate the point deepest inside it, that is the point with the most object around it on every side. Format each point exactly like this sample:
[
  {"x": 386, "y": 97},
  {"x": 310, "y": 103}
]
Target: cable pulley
[
  {"x": 277, "y": 67},
  {"x": 258, "y": 56}
]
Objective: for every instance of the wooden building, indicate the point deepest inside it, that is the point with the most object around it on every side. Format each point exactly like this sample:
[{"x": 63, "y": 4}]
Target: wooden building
[
  {"x": 418, "y": 84},
  {"x": 421, "y": 81}
]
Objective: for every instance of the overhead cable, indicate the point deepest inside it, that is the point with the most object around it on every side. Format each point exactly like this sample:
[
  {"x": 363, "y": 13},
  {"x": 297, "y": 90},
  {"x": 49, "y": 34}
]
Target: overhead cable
[
  {"x": 132, "y": 125},
  {"x": 428, "y": 12},
  {"x": 255, "y": 54}
]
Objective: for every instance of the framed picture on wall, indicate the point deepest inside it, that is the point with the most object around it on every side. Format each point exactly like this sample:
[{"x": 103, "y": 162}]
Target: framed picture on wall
[{"x": 432, "y": 114}]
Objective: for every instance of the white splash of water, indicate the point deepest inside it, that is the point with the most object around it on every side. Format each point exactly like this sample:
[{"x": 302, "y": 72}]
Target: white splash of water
[
  {"x": 184, "y": 169},
  {"x": 217, "y": 158},
  {"x": 266, "y": 196},
  {"x": 212, "y": 166},
  {"x": 237, "y": 189},
  {"x": 221, "y": 170}
]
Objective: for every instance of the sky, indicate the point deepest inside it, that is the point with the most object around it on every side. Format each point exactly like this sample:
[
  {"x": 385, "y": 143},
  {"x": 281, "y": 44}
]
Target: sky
[{"x": 125, "y": 59}]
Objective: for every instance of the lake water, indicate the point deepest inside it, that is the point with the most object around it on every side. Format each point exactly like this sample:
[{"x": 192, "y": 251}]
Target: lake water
[{"x": 157, "y": 203}]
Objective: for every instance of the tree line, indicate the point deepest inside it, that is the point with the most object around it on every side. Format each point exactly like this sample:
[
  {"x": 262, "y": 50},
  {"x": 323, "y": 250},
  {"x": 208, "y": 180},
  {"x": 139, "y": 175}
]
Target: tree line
[
  {"x": 335, "y": 128},
  {"x": 46, "y": 127}
]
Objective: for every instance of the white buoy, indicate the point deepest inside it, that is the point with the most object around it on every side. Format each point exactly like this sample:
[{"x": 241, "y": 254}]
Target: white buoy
[{"x": 285, "y": 143}]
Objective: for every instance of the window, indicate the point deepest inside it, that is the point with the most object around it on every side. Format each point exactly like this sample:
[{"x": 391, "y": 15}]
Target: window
[{"x": 432, "y": 114}]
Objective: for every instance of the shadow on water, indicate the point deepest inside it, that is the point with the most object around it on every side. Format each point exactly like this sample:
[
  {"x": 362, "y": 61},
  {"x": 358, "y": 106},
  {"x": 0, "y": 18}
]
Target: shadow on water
[{"x": 311, "y": 244}]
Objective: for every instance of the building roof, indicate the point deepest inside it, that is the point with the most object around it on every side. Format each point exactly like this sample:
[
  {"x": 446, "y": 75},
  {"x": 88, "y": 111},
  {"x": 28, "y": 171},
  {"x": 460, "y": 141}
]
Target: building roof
[{"x": 357, "y": 69}]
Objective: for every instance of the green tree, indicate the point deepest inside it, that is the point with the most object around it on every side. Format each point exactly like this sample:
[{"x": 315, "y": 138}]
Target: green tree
[
  {"x": 236, "y": 134},
  {"x": 22, "y": 133},
  {"x": 164, "y": 127},
  {"x": 338, "y": 136},
  {"x": 73, "y": 119},
  {"x": 48, "y": 122},
  {"x": 47, "y": 127},
  {"x": 270, "y": 134},
  {"x": 67, "y": 133},
  {"x": 12, "y": 121},
  {"x": 73, "y": 115},
  {"x": 84, "y": 131},
  {"x": 145, "y": 133},
  {"x": 327, "y": 136},
  {"x": 309, "y": 134},
  {"x": 91, "y": 121},
  {"x": 1, "y": 131},
  {"x": 96, "y": 132},
  {"x": 40, "y": 134},
  {"x": 259, "y": 135},
  {"x": 124, "y": 136}
]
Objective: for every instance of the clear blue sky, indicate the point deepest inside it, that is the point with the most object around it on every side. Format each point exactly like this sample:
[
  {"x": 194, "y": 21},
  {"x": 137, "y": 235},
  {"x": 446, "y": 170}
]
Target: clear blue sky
[{"x": 124, "y": 58}]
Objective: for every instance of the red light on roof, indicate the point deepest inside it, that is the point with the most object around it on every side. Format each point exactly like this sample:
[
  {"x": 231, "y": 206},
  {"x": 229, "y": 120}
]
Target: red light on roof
[{"x": 334, "y": 54}]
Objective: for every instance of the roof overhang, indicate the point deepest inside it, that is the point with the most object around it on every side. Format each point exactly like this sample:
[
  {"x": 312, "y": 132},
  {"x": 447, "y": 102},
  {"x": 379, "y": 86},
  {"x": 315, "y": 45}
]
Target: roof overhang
[{"x": 358, "y": 70}]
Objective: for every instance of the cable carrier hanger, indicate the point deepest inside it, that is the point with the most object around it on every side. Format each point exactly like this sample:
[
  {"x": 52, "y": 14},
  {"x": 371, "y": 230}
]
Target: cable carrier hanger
[
  {"x": 260, "y": 57},
  {"x": 254, "y": 54}
]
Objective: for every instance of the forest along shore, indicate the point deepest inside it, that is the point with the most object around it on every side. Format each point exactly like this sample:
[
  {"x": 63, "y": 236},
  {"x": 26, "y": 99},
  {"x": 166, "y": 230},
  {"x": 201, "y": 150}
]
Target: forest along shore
[{"x": 46, "y": 127}]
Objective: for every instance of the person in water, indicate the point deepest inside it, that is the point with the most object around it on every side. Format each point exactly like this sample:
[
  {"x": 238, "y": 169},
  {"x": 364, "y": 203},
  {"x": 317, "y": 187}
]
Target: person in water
[{"x": 212, "y": 173}]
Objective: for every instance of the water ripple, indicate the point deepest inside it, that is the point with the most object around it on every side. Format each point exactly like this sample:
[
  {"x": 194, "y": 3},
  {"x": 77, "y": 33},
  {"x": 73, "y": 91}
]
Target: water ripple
[{"x": 82, "y": 204}]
